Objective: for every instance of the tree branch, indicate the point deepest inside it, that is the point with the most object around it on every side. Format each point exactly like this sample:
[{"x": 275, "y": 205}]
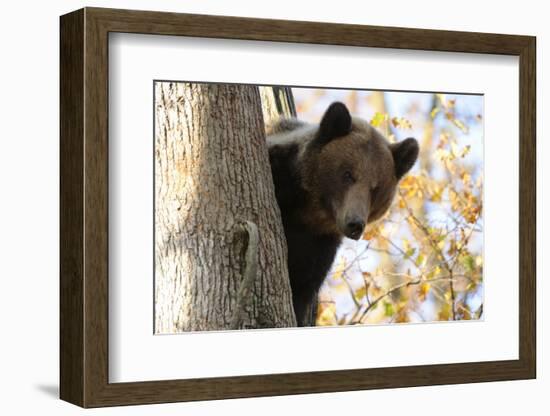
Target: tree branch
[
  {"x": 249, "y": 275},
  {"x": 390, "y": 292}
]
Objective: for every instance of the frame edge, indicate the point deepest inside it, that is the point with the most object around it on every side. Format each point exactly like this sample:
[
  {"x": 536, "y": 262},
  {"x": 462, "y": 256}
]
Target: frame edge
[
  {"x": 528, "y": 208},
  {"x": 71, "y": 291}
]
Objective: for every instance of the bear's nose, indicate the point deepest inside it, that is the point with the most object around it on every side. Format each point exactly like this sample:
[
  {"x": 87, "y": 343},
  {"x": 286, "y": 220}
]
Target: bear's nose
[{"x": 354, "y": 228}]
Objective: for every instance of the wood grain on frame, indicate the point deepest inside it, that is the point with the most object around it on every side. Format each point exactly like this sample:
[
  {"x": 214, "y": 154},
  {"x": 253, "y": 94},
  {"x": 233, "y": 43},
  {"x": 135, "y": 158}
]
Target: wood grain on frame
[
  {"x": 84, "y": 207},
  {"x": 71, "y": 213}
]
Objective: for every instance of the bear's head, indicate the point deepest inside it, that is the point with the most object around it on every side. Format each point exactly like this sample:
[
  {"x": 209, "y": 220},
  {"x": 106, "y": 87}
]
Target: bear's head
[{"x": 352, "y": 171}]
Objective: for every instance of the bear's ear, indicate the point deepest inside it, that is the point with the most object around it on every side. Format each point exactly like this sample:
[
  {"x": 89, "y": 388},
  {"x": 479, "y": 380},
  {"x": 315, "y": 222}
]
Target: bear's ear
[
  {"x": 336, "y": 122},
  {"x": 404, "y": 155}
]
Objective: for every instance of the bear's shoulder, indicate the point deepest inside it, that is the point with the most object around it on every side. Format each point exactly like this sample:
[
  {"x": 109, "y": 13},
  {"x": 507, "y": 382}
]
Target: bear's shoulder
[
  {"x": 286, "y": 144},
  {"x": 284, "y": 125}
]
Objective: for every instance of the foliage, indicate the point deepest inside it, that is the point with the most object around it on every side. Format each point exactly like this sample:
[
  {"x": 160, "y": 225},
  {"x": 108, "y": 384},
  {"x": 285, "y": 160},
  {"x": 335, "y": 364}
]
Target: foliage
[{"x": 424, "y": 260}]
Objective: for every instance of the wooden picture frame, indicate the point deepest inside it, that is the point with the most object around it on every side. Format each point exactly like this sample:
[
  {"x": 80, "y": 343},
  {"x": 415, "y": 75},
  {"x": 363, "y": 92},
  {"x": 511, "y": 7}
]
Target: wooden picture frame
[{"x": 84, "y": 207}]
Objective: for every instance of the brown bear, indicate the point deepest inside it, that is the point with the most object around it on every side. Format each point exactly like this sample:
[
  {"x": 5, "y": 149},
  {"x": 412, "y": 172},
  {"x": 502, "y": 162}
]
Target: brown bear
[{"x": 331, "y": 180}]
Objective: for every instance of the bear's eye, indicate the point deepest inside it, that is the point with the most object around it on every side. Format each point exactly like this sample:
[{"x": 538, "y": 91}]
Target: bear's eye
[
  {"x": 348, "y": 178},
  {"x": 374, "y": 191}
]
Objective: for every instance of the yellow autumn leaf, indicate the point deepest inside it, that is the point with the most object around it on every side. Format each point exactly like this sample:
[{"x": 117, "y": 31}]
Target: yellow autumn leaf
[
  {"x": 378, "y": 119},
  {"x": 466, "y": 178},
  {"x": 465, "y": 151},
  {"x": 460, "y": 125},
  {"x": 326, "y": 314},
  {"x": 437, "y": 194},
  {"x": 339, "y": 270},
  {"x": 360, "y": 293},
  {"x": 424, "y": 290},
  {"x": 420, "y": 260},
  {"x": 401, "y": 123},
  {"x": 370, "y": 233}
]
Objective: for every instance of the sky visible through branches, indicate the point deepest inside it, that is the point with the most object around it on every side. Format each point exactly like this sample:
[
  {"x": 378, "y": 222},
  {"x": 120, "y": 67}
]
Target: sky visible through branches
[{"x": 423, "y": 261}]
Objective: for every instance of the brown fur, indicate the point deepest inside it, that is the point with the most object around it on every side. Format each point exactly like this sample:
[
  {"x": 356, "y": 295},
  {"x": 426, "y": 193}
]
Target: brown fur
[
  {"x": 331, "y": 180},
  {"x": 364, "y": 153}
]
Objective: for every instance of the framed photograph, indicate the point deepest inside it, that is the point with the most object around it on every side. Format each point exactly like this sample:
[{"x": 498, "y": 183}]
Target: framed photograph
[{"x": 255, "y": 207}]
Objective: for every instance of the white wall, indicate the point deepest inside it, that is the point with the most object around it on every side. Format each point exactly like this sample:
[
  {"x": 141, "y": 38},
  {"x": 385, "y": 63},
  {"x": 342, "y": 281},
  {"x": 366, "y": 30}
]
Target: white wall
[{"x": 29, "y": 209}]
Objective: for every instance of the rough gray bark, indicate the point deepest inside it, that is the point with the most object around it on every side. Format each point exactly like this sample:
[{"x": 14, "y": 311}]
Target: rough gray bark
[{"x": 213, "y": 188}]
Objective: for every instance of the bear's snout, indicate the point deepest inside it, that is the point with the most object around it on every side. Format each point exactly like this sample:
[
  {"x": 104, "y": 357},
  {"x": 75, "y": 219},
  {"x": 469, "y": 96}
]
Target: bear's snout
[{"x": 354, "y": 228}]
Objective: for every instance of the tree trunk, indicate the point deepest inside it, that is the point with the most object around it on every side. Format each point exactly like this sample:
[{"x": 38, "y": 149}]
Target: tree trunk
[
  {"x": 277, "y": 102},
  {"x": 220, "y": 252}
]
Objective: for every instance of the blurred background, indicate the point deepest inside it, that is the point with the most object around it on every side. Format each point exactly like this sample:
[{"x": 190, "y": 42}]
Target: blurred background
[{"x": 424, "y": 260}]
